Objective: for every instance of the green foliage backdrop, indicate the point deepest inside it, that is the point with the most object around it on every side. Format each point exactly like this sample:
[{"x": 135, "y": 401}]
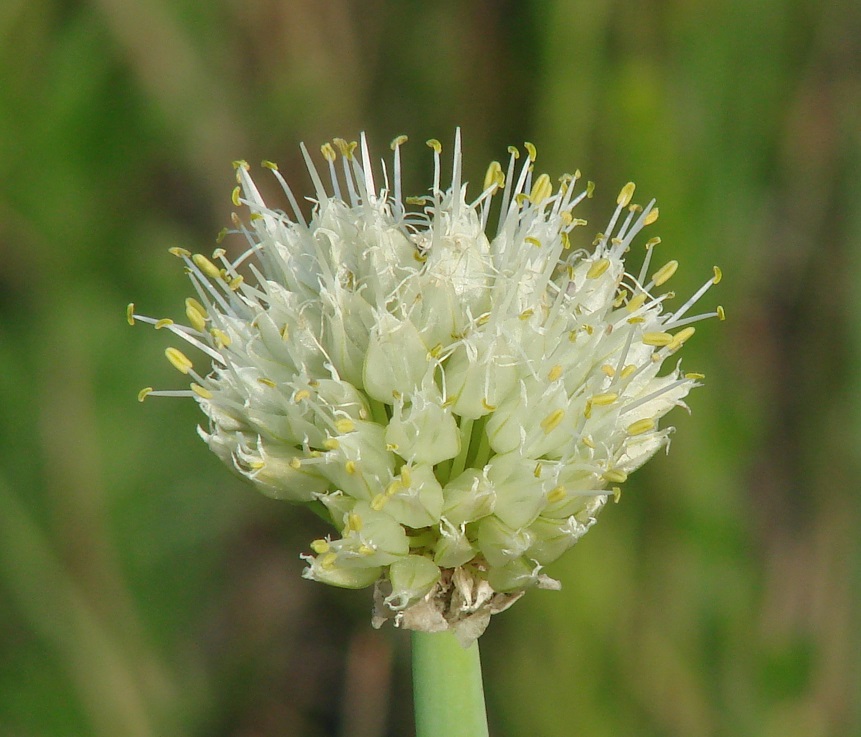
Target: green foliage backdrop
[{"x": 144, "y": 592}]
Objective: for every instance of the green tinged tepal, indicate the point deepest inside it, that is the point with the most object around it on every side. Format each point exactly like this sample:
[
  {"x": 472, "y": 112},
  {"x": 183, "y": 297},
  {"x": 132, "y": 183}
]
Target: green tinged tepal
[{"x": 460, "y": 403}]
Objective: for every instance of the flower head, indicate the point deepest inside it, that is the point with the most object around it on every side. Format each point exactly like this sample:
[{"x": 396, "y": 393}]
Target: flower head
[{"x": 460, "y": 400}]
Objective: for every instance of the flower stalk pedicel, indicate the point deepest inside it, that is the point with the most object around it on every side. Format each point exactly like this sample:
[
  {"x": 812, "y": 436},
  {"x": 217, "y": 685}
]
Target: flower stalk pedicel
[{"x": 460, "y": 403}]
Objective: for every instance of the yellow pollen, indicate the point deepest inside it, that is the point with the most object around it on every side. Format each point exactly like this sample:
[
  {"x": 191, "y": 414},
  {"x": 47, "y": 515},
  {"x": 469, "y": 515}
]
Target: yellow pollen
[
  {"x": 195, "y": 312},
  {"x": 537, "y": 471},
  {"x": 320, "y": 546},
  {"x": 221, "y": 338},
  {"x": 531, "y": 150},
  {"x": 617, "y": 494},
  {"x": 566, "y": 217},
  {"x": 608, "y": 370},
  {"x": 718, "y": 275},
  {"x": 551, "y": 422},
  {"x": 721, "y": 313},
  {"x": 657, "y": 339},
  {"x": 635, "y": 303},
  {"x": 680, "y": 337},
  {"x": 354, "y": 522},
  {"x": 201, "y": 392},
  {"x": 652, "y": 216},
  {"x": 483, "y": 319},
  {"x": 328, "y": 561},
  {"x": 345, "y": 425},
  {"x": 179, "y": 252},
  {"x": 331, "y": 444},
  {"x": 163, "y": 323},
  {"x": 526, "y": 314},
  {"x": 566, "y": 241},
  {"x": 628, "y": 370},
  {"x": 590, "y": 189},
  {"x": 394, "y": 487},
  {"x": 541, "y": 190},
  {"x": 295, "y": 463},
  {"x": 398, "y": 141},
  {"x": 602, "y": 400},
  {"x": 350, "y": 467},
  {"x": 130, "y": 313},
  {"x": 346, "y": 148},
  {"x": 514, "y": 152},
  {"x": 663, "y": 274},
  {"x": 615, "y": 476},
  {"x": 435, "y": 145},
  {"x": 378, "y": 502},
  {"x": 267, "y": 382},
  {"x": 598, "y": 268},
  {"x": 179, "y": 360},
  {"x": 241, "y": 164},
  {"x": 652, "y": 242},
  {"x": 236, "y": 282},
  {"x": 234, "y": 197},
  {"x": 693, "y": 376},
  {"x": 555, "y": 372},
  {"x": 413, "y": 200},
  {"x": 301, "y": 395},
  {"x": 626, "y": 194},
  {"x": 641, "y": 426},
  {"x": 144, "y": 393},
  {"x": 620, "y": 299},
  {"x": 219, "y": 253},
  {"x": 589, "y": 329},
  {"x": 487, "y": 405},
  {"x": 436, "y": 351},
  {"x": 271, "y": 165},
  {"x": 328, "y": 152},
  {"x": 206, "y": 266},
  {"x": 406, "y": 476},
  {"x": 494, "y": 176},
  {"x": 588, "y": 442},
  {"x": 556, "y": 495},
  {"x": 366, "y": 550},
  {"x": 532, "y": 241}
]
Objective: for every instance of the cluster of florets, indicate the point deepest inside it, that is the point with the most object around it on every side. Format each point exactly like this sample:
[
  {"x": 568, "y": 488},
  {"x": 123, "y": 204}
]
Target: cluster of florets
[{"x": 460, "y": 404}]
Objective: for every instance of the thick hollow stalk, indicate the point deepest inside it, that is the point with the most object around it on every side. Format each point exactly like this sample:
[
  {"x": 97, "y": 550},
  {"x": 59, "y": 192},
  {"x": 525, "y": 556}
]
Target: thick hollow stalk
[{"x": 447, "y": 688}]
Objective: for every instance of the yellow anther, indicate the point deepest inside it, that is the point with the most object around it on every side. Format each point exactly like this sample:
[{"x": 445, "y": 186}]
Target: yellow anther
[
  {"x": 588, "y": 442},
  {"x": 526, "y": 314},
  {"x": 345, "y": 425},
  {"x": 551, "y": 422},
  {"x": 241, "y": 164},
  {"x": 615, "y": 477},
  {"x": 617, "y": 494},
  {"x": 366, "y": 550},
  {"x": 234, "y": 196},
  {"x": 514, "y": 152},
  {"x": 144, "y": 393},
  {"x": 680, "y": 337},
  {"x": 602, "y": 400},
  {"x": 608, "y": 370},
  {"x": 487, "y": 405},
  {"x": 483, "y": 319},
  {"x": 657, "y": 339},
  {"x": 590, "y": 189},
  {"x": 267, "y": 382},
  {"x": 398, "y": 141},
  {"x": 589, "y": 329},
  {"x": 620, "y": 298},
  {"x": 537, "y": 471},
  {"x": 346, "y": 148},
  {"x": 201, "y": 392},
  {"x": 328, "y": 152},
  {"x": 652, "y": 242},
  {"x": 295, "y": 463},
  {"x": 532, "y": 241},
  {"x": 652, "y": 216},
  {"x": 206, "y": 266},
  {"x": 179, "y": 252},
  {"x": 566, "y": 240},
  {"x": 556, "y": 495},
  {"x": 222, "y": 339},
  {"x": 331, "y": 444},
  {"x": 354, "y": 522},
  {"x": 394, "y": 487},
  {"x": 531, "y": 150},
  {"x": 521, "y": 199},
  {"x": 665, "y": 272},
  {"x": 627, "y": 370},
  {"x": 566, "y": 217},
  {"x": 435, "y": 145},
  {"x": 350, "y": 467},
  {"x": 597, "y": 268},
  {"x": 378, "y": 502},
  {"x": 542, "y": 188},
  {"x": 130, "y": 313},
  {"x": 320, "y": 546},
  {"x": 236, "y": 282},
  {"x": 328, "y": 561},
  {"x": 635, "y": 208},
  {"x": 626, "y": 194},
  {"x": 587, "y": 410},
  {"x": 641, "y": 426},
  {"x": 718, "y": 275},
  {"x": 635, "y": 303},
  {"x": 179, "y": 360},
  {"x": 271, "y": 165},
  {"x": 436, "y": 351},
  {"x": 494, "y": 176},
  {"x": 406, "y": 477},
  {"x": 694, "y": 376},
  {"x": 163, "y": 323},
  {"x": 555, "y": 372},
  {"x": 196, "y": 314},
  {"x": 301, "y": 395},
  {"x": 636, "y": 320},
  {"x": 721, "y": 313}
]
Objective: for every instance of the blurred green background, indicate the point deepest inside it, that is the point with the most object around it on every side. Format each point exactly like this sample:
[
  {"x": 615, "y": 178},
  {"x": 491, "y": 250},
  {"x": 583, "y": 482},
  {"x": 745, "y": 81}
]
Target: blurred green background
[{"x": 145, "y": 592}]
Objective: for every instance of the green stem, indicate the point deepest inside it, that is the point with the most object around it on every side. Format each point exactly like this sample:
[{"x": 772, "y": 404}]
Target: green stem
[
  {"x": 447, "y": 690},
  {"x": 459, "y": 462}
]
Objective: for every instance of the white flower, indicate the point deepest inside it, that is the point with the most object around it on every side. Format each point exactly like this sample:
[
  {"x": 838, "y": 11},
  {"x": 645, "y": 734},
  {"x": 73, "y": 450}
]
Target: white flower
[{"x": 461, "y": 402}]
